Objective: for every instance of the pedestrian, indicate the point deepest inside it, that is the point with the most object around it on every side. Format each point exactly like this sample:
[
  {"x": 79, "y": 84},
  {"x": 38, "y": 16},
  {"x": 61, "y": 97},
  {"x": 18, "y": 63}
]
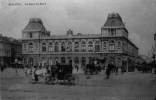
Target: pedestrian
[
  {"x": 77, "y": 67},
  {"x": 2, "y": 68},
  {"x": 116, "y": 69},
  {"x": 109, "y": 69}
]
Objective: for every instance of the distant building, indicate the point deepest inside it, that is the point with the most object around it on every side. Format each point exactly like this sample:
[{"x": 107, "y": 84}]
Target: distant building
[
  {"x": 112, "y": 43},
  {"x": 10, "y": 49}
]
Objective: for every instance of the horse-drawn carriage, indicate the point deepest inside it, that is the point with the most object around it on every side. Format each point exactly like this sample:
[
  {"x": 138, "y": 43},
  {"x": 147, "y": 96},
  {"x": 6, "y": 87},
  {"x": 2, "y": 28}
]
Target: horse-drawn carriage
[{"x": 62, "y": 73}]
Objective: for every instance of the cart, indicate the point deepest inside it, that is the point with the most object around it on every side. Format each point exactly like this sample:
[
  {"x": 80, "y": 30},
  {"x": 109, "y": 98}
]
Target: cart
[{"x": 62, "y": 73}]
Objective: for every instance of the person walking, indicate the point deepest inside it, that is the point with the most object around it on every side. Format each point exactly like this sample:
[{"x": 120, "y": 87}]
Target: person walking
[
  {"x": 116, "y": 69},
  {"x": 108, "y": 70}
]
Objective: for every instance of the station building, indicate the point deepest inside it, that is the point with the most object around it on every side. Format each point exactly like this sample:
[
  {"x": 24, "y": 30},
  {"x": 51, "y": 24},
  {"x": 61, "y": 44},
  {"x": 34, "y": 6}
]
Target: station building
[{"x": 112, "y": 43}]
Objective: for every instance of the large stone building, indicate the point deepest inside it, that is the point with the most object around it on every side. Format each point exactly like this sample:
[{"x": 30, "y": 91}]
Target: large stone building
[
  {"x": 112, "y": 43},
  {"x": 10, "y": 49}
]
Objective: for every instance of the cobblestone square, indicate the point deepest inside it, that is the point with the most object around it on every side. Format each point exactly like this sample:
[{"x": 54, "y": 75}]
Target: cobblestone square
[{"x": 128, "y": 86}]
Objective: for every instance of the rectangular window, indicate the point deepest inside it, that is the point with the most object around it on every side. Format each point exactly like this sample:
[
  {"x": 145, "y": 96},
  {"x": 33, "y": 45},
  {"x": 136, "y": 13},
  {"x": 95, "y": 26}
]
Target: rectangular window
[
  {"x": 97, "y": 48},
  {"x": 104, "y": 45},
  {"x": 43, "y": 48},
  {"x": 112, "y": 47},
  {"x": 63, "y": 48},
  {"x": 50, "y": 48},
  {"x": 90, "y": 48},
  {"x": 83, "y": 48},
  {"x": 77, "y": 48},
  {"x": 56, "y": 49},
  {"x": 30, "y": 48}
]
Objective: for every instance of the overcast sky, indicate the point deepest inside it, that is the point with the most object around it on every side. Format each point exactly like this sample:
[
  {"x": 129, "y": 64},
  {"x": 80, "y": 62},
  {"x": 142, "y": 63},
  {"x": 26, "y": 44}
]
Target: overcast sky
[{"x": 82, "y": 16}]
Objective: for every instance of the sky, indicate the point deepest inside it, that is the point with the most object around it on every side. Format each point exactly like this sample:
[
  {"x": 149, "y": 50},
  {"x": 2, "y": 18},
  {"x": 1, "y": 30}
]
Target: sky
[{"x": 82, "y": 16}]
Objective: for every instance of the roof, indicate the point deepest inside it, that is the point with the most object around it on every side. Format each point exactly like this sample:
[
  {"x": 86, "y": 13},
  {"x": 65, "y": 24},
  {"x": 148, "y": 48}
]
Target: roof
[{"x": 35, "y": 24}]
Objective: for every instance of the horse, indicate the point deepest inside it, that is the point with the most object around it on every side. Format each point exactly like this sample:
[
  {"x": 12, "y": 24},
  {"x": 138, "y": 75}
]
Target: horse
[
  {"x": 39, "y": 72},
  {"x": 34, "y": 72}
]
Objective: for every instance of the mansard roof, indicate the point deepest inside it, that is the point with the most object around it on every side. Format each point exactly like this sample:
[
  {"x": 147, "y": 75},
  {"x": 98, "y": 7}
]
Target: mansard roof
[
  {"x": 35, "y": 24},
  {"x": 114, "y": 20}
]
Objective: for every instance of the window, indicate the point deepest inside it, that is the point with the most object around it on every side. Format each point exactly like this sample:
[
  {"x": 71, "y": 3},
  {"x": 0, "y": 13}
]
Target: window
[
  {"x": 56, "y": 47},
  {"x": 44, "y": 47},
  {"x": 90, "y": 46},
  {"x": 112, "y": 46},
  {"x": 97, "y": 46},
  {"x": 76, "y": 46},
  {"x": 69, "y": 48},
  {"x": 50, "y": 61},
  {"x": 50, "y": 47},
  {"x": 83, "y": 60},
  {"x": 63, "y": 60},
  {"x": 30, "y": 47},
  {"x": 119, "y": 45},
  {"x": 24, "y": 47},
  {"x": 83, "y": 46},
  {"x": 76, "y": 60},
  {"x": 36, "y": 46},
  {"x": 104, "y": 45},
  {"x": 31, "y": 35},
  {"x": 44, "y": 60},
  {"x": 63, "y": 47},
  {"x": 112, "y": 32}
]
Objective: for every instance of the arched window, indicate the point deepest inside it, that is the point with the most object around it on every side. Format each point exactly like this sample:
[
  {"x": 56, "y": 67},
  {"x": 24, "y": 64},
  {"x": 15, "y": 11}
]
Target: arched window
[
  {"x": 69, "y": 60},
  {"x": 76, "y": 60},
  {"x": 69, "y": 47},
  {"x": 83, "y": 61},
  {"x": 36, "y": 46},
  {"x": 90, "y": 46},
  {"x": 43, "y": 46},
  {"x": 76, "y": 46},
  {"x": 63, "y": 60},
  {"x": 111, "y": 45},
  {"x": 63, "y": 47},
  {"x": 97, "y": 46},
  {"x": 30, "y": 47},
  {"x": 56, "y": 60},
  {"x": 56, "y": 46},
  {"x": 83, "y": 46},
  {"x": 50, "y": 61},
  {"x": 50, "y": 46},
  {"x": 44, "y": 61},
  {"x": 104, "y": 45}
]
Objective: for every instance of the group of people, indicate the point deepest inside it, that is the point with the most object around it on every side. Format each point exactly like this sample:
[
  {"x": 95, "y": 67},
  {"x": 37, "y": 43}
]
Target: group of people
[{"x": 112, "y": 68}]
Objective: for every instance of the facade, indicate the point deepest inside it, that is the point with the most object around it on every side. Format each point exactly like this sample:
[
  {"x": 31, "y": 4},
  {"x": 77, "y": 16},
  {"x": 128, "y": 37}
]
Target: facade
[
  {"x": 112, "y": 43},
  {"x": 10, "y": 49}
]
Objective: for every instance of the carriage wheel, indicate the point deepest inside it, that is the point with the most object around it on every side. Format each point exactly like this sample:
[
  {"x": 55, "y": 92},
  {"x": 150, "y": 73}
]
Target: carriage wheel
[
  {"x": 69, "y": 79},
  {"x": 76, "y": 78},
  {"x": 54, "y": 80},
  {"x": 48, "y": 80}
]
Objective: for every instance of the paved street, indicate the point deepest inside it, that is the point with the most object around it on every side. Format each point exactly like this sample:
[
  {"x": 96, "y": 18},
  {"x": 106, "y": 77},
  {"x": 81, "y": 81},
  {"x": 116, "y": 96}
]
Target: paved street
[{"x": 129, "y": 86}]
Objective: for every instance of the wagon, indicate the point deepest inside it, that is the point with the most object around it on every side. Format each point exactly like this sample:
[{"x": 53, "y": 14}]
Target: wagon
[{"x": 62, "y": 73}]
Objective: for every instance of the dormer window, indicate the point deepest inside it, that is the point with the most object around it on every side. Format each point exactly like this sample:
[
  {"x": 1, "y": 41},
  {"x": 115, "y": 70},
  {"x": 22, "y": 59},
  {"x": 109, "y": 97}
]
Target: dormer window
[{"x": 113, "y": 23}]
